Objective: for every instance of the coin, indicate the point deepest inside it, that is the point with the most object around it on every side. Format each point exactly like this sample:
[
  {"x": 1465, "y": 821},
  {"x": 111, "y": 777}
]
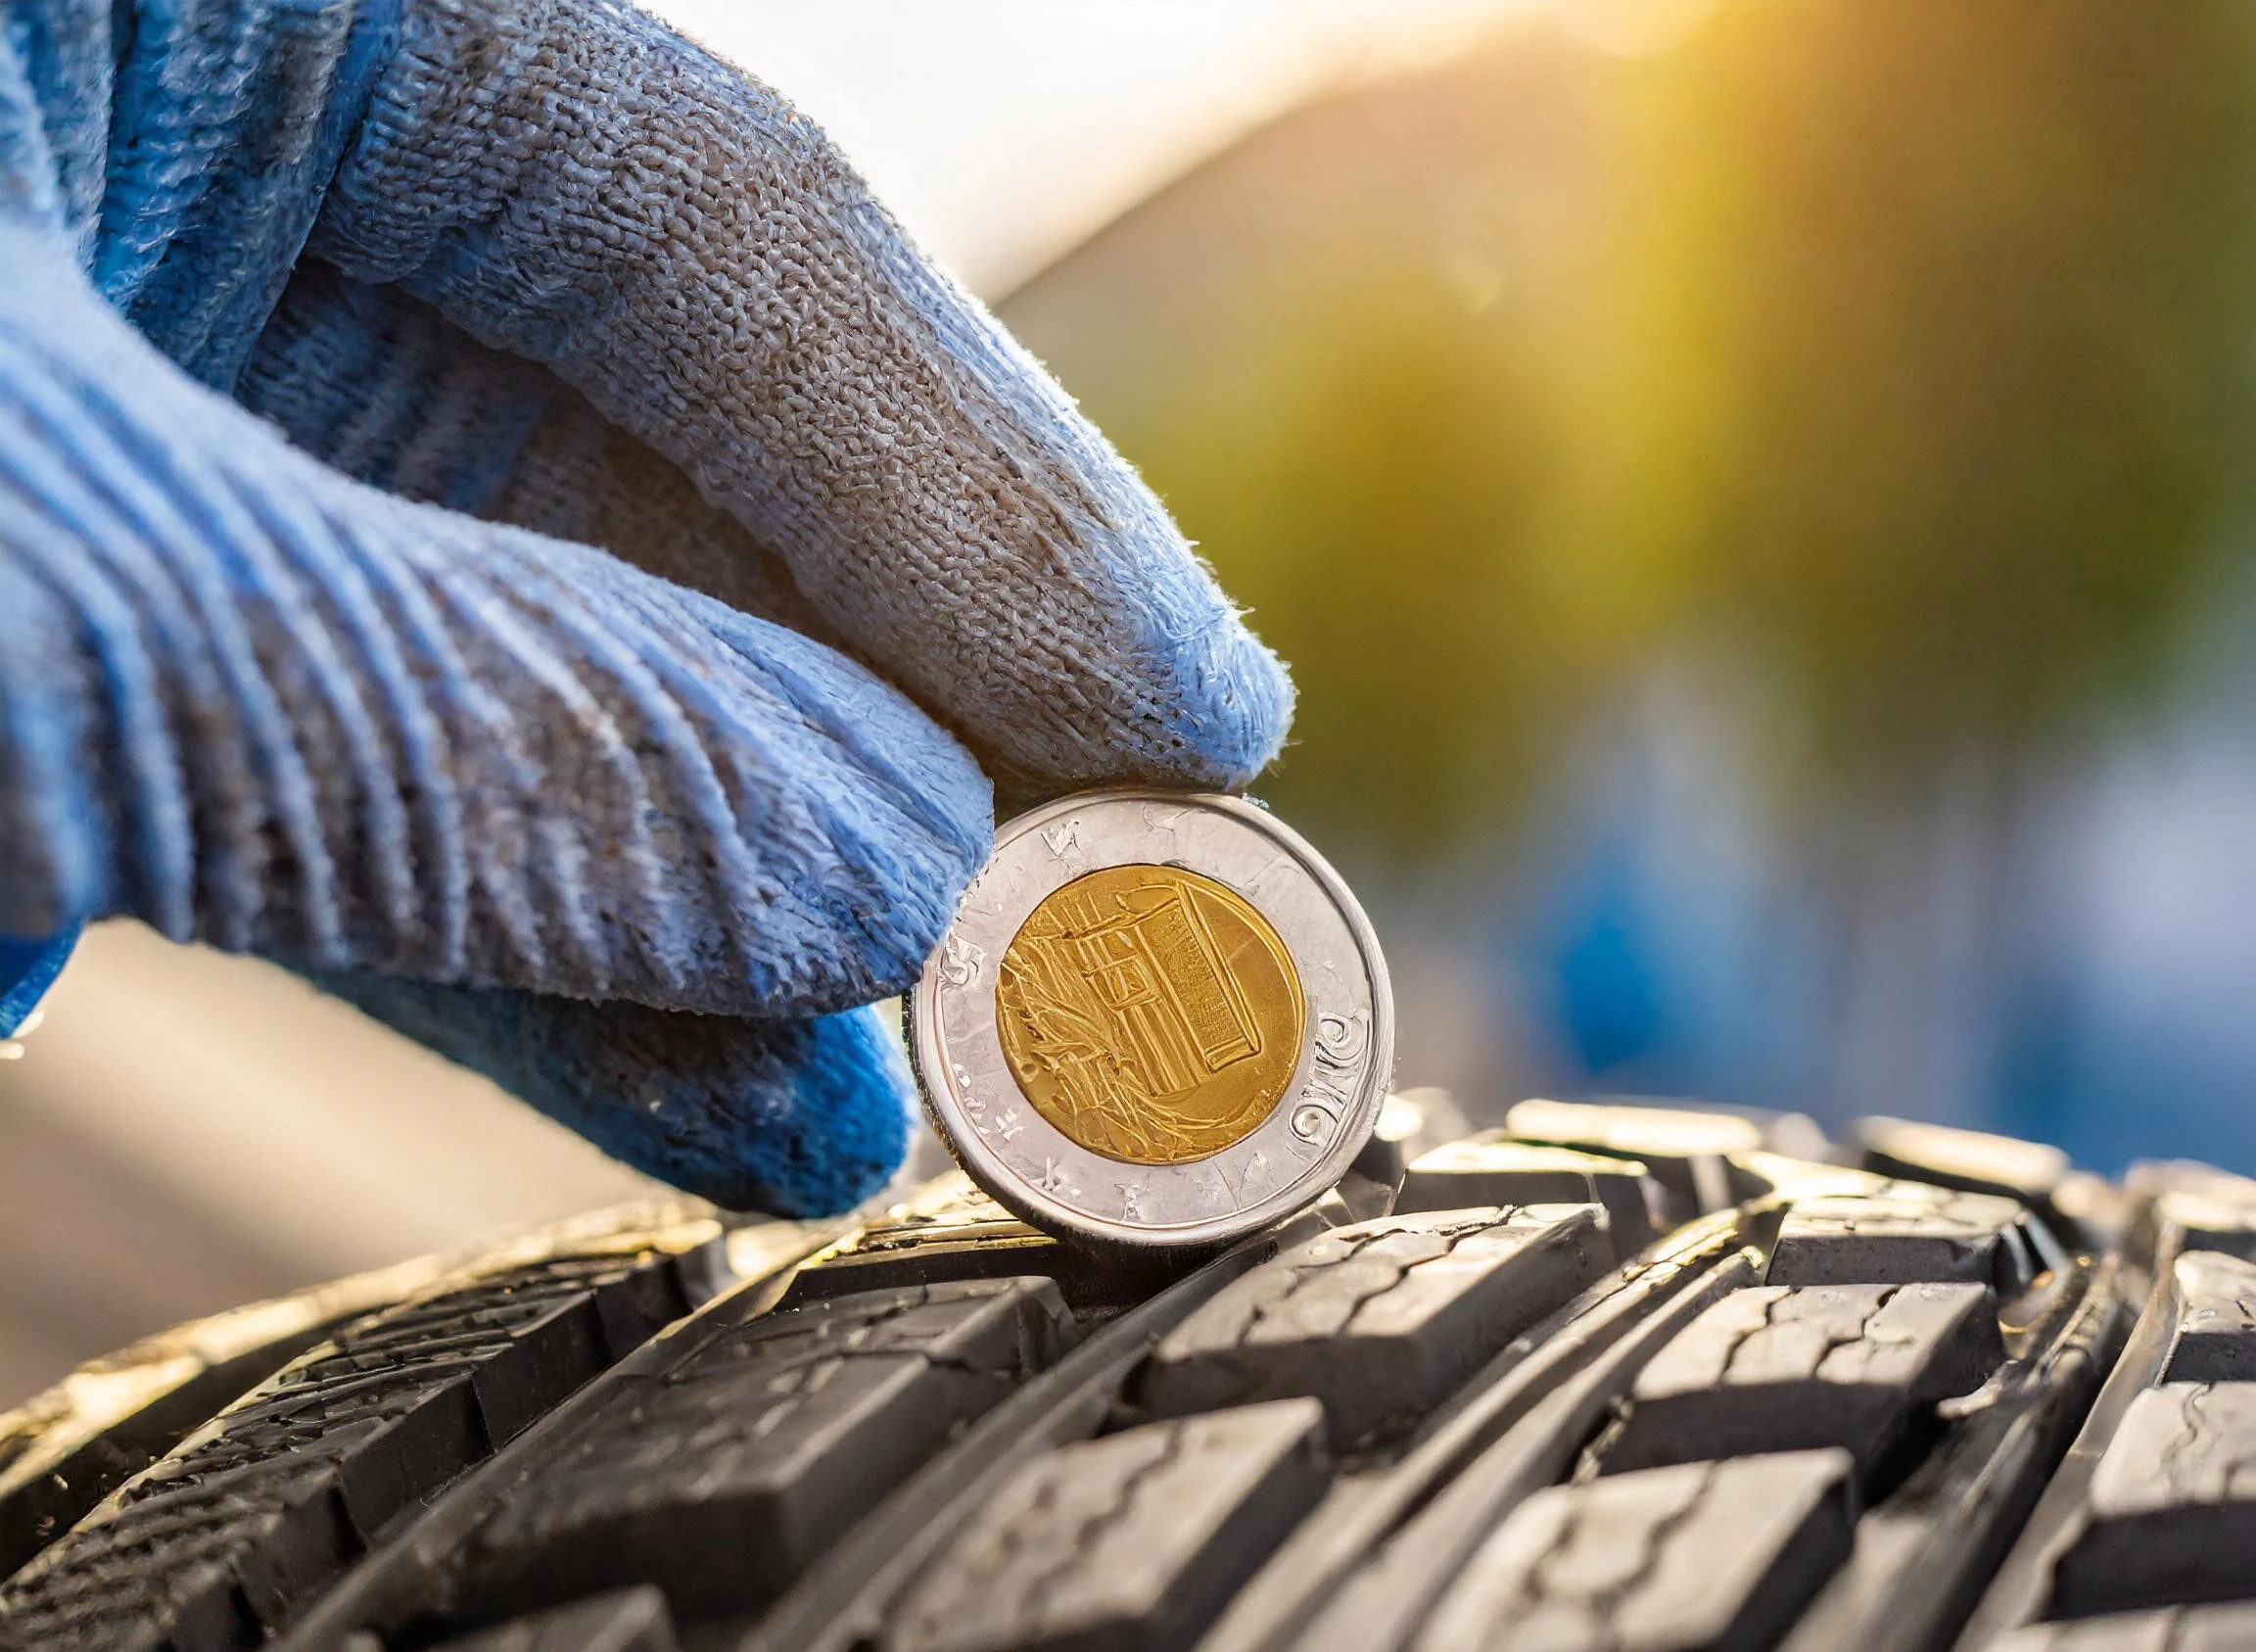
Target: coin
[
  {"x": 1156, "y": 1019},
  {"x": 1149, "y": 1014}
]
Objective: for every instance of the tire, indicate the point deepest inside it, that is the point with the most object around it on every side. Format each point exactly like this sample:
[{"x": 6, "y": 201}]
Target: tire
[{"x": 1612, "y": 1377}]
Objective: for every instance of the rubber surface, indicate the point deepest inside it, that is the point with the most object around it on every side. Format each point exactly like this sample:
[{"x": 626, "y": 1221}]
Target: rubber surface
[{"x": 1620, "y": 1378}]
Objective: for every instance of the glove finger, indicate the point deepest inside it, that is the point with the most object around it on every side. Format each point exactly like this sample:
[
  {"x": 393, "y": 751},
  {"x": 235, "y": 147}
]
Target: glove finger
[
  {"x": 192, "y": 246},
  {"x": 567, "y": 180},
  {"x": 799, "y": 1118},
  {"x": 376, "y": 384},
  {"x": 262, "y": 706}
]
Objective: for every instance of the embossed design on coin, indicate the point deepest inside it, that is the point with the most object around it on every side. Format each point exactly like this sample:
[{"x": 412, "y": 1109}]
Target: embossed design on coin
[
  {"x": 961, "y": 962},
  {"x": 1149, "y": 1014},
  {"x": 1161, "y": 980}
]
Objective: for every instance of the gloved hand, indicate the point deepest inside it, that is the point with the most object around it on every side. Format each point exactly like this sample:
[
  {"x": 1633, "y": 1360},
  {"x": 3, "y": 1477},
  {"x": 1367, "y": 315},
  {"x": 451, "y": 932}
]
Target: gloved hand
[{"x": 335, "y": 338}]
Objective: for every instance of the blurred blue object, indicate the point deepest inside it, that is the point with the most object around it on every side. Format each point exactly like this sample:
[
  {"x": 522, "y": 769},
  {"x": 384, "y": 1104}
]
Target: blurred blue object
[
  {"x": 2072, "y": 969},
  {"x": 1609, "y": 999},
  {"x": 27, "y": 969}
]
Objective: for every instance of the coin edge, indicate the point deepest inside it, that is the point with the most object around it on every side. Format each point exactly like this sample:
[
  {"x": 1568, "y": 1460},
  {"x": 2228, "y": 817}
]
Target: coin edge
[{"x": 921, "y": 1038}]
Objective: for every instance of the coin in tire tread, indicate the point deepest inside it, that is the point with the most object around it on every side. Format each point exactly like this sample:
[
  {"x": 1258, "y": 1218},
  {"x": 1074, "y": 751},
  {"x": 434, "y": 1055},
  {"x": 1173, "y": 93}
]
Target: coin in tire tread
[{"x": 1404, "y": 1330}]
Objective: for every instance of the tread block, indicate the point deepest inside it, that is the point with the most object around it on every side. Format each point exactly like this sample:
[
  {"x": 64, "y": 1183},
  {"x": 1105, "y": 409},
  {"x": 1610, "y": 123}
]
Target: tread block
[
  {"x": 1782, "y": 1369},
  {"x": 1381, "y": 1320},
  {"x": 632, "y": 1619},
  {"x": 952, "y": 1231},
  {"x": 2197, "y": 1206},
  {"x": 2214, "y": 1340},
  {"x": 2192, "y": 1222},
  {"x": 952, "y": 1221},
  {"x": 723, "y": 1478},
  {"x": 1906, "y": 1234},
  {"x": 2184, "y": 1629},
  {"x": 1491, "y": 1168},
  {"x": 1686, "y": 1150},
  {"x": 2151, "y": 1178},
  {"x": 1128, "y": 1543},
  {"x": 216, "y": 1544},
  {"x": 1701, "y": 1555},
  {"x": 1409, "y": 1122},
  {"x": 892, "y": 1258},
  {"x": 1970, "y": 1160},
  {"x": 2172, "y": 1512}
]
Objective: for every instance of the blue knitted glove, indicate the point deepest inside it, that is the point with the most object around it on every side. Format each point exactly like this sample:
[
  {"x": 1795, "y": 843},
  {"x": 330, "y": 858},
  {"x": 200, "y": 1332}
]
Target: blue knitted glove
[{"x": 335, "y": 339}]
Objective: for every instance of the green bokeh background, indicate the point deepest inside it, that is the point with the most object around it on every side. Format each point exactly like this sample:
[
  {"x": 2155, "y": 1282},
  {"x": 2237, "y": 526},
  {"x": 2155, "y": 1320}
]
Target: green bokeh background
[{"x": 1895, "y": 356}]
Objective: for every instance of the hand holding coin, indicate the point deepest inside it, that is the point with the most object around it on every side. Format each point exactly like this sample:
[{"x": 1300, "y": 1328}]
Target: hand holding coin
[{"x": 1157, "y": 1020}]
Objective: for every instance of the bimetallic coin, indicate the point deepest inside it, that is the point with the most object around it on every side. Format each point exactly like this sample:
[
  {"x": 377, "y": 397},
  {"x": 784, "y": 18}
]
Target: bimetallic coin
[{"x": 1158, "y": 1020}]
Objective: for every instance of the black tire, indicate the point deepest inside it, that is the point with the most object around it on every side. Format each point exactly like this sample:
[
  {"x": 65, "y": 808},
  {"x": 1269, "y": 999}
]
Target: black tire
[{"x": 1612, "y": 1378}]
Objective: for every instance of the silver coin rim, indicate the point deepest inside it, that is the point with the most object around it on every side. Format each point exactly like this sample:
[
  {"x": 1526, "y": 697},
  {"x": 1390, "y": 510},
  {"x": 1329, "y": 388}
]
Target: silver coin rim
[{"x": 944, "y": 1107}]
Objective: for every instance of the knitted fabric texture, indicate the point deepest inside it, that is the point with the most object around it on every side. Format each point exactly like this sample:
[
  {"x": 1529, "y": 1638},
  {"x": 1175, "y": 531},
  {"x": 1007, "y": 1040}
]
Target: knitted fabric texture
[{"x": 493, "y": 515}]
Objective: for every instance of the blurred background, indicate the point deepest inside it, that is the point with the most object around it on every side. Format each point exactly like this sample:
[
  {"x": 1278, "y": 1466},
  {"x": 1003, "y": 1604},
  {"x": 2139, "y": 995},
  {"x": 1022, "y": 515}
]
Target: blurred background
[{"x": 1760, "y": 499}]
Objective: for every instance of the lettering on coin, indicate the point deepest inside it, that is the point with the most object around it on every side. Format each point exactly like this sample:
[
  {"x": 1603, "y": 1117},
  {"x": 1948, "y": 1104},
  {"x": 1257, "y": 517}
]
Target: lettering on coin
[
  {"x": 1149, "y": 1014},
  {"x": 1332, "y": 1076},
  {"x": 1062, "y": 838}
]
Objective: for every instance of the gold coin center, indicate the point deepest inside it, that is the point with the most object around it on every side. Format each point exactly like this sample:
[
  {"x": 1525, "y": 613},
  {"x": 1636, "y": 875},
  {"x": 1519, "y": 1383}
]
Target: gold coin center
[{"x": 1149, "y": 1014}]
